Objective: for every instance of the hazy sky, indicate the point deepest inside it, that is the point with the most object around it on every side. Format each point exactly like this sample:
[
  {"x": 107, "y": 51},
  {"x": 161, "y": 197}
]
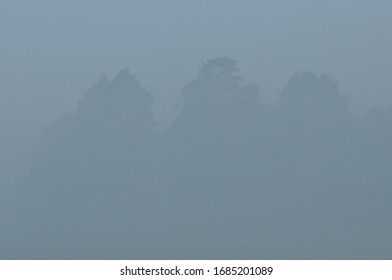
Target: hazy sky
[{"x": 51, "y": 51}]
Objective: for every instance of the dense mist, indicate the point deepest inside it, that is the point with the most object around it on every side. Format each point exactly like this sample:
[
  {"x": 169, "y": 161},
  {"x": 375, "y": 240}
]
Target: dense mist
[{"x": 195, "y": 130}]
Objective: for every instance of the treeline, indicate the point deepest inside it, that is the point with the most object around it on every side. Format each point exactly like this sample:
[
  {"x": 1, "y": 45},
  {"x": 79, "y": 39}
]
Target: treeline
[{"x": 231, "y": 177}]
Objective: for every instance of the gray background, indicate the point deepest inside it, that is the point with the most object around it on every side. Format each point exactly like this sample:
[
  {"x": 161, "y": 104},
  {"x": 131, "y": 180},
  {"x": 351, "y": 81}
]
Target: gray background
[{"x": 52, "y": 51}]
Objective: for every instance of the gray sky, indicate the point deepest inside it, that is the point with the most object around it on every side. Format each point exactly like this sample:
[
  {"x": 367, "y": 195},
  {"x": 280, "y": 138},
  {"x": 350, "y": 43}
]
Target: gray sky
[{"x": 51, "y": 51}]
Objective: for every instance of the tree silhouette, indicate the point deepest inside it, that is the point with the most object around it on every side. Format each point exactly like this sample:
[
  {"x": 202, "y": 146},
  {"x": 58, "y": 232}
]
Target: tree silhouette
[
  {"x": 373, "y": 161},
  {"x": 92, "y": 176},
  {"x": 233, "y": 178},
  {"x": 212, "y": 160},
  {"x": 219, "y": 112},
  {"x": 312, "y": 122}
]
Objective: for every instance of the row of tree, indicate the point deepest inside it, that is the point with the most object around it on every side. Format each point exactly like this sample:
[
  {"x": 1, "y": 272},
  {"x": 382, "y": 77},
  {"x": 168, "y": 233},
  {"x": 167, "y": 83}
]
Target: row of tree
[{"x": 231, "y": 178}]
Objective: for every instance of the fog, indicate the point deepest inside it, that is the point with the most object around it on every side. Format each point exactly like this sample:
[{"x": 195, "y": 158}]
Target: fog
[{"x": 270, "y": 118}]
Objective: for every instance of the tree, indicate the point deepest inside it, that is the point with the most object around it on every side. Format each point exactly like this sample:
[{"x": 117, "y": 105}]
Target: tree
[
  {"x": 217, "y": 125},
  {"x": 312, "y": 121},
  {"x": 213, "y": 162},
  {"x": 312, "y": 163},
  {"x": 373, "y": 163},
  {"x": 93, "y": 176}
]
